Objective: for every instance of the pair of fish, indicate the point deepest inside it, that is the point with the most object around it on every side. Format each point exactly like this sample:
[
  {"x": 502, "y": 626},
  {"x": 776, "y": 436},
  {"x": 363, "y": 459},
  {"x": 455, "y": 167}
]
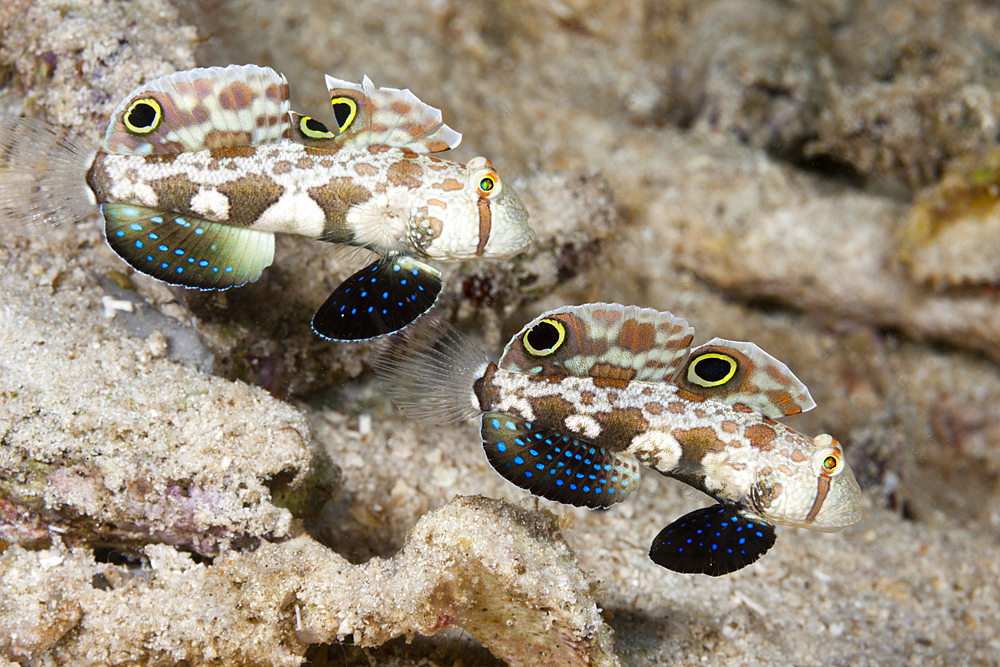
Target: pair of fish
[
  {"x": 199, "y": 169},
  {"x": 584, "y": 394}
]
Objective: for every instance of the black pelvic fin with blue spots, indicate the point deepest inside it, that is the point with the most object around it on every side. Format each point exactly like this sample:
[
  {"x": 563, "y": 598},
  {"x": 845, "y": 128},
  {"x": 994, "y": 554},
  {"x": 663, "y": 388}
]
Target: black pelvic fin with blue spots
[
  {"x": 381, "y": 298},
  {"x": 185, "y": 250},
  {"x": 556, "y": 466},
  {"x": 714, "y": 540}
]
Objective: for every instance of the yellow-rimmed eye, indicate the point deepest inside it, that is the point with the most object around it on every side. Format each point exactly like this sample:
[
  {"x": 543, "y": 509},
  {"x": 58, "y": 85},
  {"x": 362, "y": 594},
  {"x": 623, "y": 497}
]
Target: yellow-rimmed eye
[
  {"x": 544, "y": 338},
  {"x": 314, "y": 129},
  {"x": 143, "y": 116},
  {"x": 828, "y": 461},
  {"x": 830, "y": 464},
  {"x": 344, "y": 111},
  {"x": 711, "y": 369},
  {"x": 487, "y": 183}
]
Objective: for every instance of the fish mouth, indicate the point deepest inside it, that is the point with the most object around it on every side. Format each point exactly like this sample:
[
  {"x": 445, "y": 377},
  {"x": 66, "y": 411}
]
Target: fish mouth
[
  {"x": 503, "y": 227},
  {"x": 838, "y": 505}
]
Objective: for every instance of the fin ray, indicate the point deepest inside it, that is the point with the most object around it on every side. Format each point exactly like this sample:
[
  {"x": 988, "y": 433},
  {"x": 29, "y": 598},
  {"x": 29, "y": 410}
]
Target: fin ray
[
  {"x": 429, "y": 371},
  {"x": 42, "y": 170}
]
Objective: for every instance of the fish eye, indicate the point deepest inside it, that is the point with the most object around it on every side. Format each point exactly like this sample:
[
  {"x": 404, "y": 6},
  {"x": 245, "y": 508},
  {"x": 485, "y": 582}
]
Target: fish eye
[
  {"x": 143, "y": 116},
  {"x": 544, "y": 338},
  {"x": 829, "y": 462},
  {"x": 487, "y": 183},
  {"x": 314, "y": 129},
  {"x": 344, "y": 111},
  {"x": 711, "y": 369}
]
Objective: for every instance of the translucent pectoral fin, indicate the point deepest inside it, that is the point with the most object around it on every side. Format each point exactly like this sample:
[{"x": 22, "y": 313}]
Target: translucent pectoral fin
[
  {"x": 381, "y": 298},
  {"x": 556, "y": 466},
  {"x": 184, "y": 250},
  {"x": 713, "y": 540}
]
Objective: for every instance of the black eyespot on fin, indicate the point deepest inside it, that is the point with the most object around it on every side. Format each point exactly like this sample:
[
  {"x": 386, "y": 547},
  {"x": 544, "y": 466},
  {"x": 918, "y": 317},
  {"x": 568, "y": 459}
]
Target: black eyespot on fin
[
  {"x": 711, "y": 369},
  {"x": 143, "y": 116},
  {"x": 544, "y": 338},
  {"x": 344, "y": 111},
  {"x": 713, "y": 540},
  {"x": 314, "y": 129}
]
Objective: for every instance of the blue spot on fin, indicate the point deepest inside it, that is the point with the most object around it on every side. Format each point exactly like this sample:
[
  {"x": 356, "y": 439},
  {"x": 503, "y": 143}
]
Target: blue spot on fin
[
  {"x": 184, "y": 250},
  {"x": 375, "y": 301},
  {"x": 557, "y": 466},
  {"x": 713, "y": 540}
]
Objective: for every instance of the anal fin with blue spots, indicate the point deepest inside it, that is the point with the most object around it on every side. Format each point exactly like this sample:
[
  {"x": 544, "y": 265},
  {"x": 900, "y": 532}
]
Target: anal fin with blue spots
[
  {"x": 184, "y": 250},
  {"x": 713, "y": 540},
  {"x": 556, "y": 466},
  {"x": 385, "y": 296}
]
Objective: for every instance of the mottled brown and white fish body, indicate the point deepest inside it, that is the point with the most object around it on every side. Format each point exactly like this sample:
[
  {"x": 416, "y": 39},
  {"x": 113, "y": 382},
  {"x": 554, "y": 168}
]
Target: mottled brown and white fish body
[
  {"x": 584, "y": 394},
  {"x": 378, "y": 197},
  {"x": 199, "y": 169}
]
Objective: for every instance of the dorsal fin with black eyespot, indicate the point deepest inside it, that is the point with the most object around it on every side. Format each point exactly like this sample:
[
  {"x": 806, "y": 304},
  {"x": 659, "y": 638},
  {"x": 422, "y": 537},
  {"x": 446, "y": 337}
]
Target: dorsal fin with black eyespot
[
  {"x": 605, "y": 341},
  {"x": 206, "y": 108},
  {"x": 736, "y": 372},
  {"x": 363, "y": 115}
]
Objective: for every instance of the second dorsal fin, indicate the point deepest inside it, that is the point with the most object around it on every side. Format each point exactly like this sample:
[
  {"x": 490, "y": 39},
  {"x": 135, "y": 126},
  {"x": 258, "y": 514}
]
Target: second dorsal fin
[{"x": 364, "y": 115}]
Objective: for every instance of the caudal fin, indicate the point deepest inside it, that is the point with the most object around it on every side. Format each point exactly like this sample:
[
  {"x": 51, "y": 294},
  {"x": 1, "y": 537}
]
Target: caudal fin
[
  {"x": 429, "y": 371},
  {"x": 43, "y": 172}
]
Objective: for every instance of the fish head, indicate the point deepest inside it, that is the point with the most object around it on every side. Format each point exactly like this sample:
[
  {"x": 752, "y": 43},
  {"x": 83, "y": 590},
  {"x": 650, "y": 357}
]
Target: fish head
[
  {"x": 811, "y": 487},
  {"x": 472, "y": 214}
]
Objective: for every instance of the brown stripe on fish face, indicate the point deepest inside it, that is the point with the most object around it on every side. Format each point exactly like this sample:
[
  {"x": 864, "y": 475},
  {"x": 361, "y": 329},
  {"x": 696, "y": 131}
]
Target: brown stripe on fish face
[
  {"x": 485, "y": 225},
  {"x": 249, "y": 197},
  {"x": 822, "y": 488}
]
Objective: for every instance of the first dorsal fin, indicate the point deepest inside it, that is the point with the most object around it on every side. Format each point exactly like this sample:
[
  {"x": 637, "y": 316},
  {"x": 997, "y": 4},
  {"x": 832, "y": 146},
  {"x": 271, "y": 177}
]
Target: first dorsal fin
[
  {"x": 364, "y": 115},
  {"x": 199, "y": 109},
  {"x": 736, "y": 372},
  {"x": 605, "y": 341}
]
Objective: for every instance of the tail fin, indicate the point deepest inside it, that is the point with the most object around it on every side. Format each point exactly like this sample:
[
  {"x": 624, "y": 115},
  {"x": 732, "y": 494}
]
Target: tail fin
[
  {"x": 429, "y": 371},
  {"x": 43, "y": 172}
]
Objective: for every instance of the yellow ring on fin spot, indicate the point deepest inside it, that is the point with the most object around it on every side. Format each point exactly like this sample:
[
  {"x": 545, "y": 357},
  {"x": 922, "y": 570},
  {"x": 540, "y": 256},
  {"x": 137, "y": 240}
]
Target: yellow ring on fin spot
[
  {"x": 143, "y": 106},
  {"x": 314, "y": 132},
  {"x": 549, "y": 349},
  {"x": 694, "y": 378},
  {"x": 350, "y": 116}
]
